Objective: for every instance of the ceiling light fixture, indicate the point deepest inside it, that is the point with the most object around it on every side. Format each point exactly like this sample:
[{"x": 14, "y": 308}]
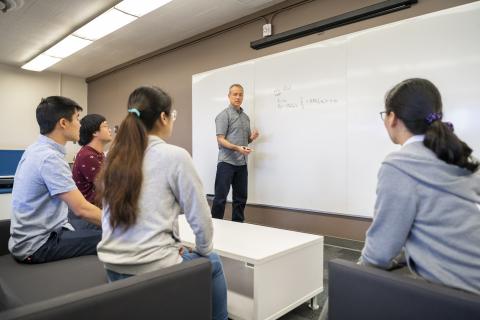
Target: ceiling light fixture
[
  {"x": 40, "y": 62},
  {"x": 69, "y": 45},
  {"x": 113, "y": 19},
  {"x": 140, "y": 8},
  {"x": 104, "y": 24}
]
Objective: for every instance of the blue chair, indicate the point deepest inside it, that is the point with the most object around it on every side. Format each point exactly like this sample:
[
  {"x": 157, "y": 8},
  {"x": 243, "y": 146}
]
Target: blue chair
[{"x": 8, "y": 165}]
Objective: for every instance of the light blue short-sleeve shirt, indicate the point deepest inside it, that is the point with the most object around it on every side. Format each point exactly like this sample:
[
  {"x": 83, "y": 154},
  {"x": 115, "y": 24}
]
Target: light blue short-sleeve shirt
[{"x": 42, "y": 174}]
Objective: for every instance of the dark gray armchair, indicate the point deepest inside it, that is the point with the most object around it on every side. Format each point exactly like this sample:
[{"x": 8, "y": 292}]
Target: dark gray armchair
[
  {"x": 77, "y": 289},
  {"x": 360, "y": 292}
]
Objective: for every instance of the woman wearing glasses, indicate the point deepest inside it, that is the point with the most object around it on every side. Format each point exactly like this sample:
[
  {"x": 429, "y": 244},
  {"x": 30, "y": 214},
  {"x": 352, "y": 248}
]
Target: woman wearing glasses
[
  {"x": 428, "y": 193},
  {"x": 144, "y": 185}
]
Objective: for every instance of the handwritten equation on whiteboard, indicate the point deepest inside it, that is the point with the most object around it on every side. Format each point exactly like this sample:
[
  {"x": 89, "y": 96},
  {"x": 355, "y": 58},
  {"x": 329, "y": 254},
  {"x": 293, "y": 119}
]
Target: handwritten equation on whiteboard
[{"x": 287, "y": 97}]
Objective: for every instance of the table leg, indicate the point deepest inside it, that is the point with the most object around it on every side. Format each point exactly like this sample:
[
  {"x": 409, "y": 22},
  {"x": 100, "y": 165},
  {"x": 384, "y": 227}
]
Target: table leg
[{"x": 314, "y": 303}]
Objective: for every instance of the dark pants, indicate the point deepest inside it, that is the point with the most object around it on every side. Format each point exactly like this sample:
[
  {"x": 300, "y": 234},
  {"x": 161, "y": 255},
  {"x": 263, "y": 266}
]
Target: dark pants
[
  {"x": 237, "y": 177},
  {"x": 64, "y": 244},
  {"x": 219, "y": 285}
]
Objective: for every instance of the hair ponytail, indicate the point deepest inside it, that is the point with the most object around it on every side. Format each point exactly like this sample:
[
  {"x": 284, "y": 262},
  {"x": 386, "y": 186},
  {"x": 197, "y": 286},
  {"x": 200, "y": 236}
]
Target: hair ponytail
[
  {"x": 415, "y": 101},
  {"x": 119, "y": 182},
  {"x": 440, "y": 138},
  {"x": 121, "y": 178}
]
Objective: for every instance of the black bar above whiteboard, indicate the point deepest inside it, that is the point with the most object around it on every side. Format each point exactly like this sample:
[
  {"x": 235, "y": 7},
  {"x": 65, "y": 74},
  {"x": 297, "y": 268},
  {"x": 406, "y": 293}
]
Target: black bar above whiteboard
[{"x": 365, "y": 13}]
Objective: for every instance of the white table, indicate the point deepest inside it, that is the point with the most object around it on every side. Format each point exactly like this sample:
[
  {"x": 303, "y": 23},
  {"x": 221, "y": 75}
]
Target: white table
[{"x": 269, "y": 271}]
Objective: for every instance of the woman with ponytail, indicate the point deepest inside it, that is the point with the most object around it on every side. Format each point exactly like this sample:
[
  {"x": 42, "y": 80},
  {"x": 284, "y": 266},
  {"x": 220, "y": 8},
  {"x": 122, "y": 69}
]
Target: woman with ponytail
[
  {"x": 428, "y": 193},
  {"x": 144, "y": 185}
]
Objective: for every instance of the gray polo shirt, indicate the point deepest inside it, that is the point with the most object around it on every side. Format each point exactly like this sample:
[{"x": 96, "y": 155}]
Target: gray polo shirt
[
  {"x": 42, "y": 174},
  {"x": 235, "y": 126}
]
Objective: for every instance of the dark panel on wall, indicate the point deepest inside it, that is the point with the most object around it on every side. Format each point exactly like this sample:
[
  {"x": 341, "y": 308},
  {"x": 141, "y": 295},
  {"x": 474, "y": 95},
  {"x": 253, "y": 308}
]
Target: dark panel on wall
[
  {"x": 323, "y": 224},
  {"x": 172, "y": 70}
]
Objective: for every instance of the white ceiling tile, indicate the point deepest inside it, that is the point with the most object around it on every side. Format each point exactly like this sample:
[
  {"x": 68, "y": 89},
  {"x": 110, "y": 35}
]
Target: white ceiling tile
[{"x": 39, "y": 24}]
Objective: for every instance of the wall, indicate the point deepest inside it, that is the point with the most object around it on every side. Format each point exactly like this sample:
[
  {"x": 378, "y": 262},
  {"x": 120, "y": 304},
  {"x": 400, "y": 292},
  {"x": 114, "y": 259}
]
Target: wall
[
  {"x": 20, "y": 93},
  {"x": 5, "y": 205},
  {"x": 172, "y": 69}
]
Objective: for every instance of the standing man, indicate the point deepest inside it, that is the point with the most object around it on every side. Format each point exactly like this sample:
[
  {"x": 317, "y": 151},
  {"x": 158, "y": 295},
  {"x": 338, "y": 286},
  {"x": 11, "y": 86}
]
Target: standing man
[
  {"x": 94, "y": 136},
  {"x": 233, "y": 137}
]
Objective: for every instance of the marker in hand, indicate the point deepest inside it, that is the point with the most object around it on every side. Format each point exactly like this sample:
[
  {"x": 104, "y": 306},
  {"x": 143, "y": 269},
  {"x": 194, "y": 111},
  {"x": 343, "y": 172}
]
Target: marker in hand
[{"x": 245, "y": 150}]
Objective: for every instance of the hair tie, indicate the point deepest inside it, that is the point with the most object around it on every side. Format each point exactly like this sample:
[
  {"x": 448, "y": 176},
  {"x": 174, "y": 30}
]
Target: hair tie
[
  {"x": 432, "y": 117},
  {"x": 449, "y": 125},
  {"x": 134, "y": 110}
]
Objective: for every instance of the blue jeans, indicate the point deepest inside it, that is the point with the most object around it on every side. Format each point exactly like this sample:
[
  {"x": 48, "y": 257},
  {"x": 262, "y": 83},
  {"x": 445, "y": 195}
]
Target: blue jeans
[
  {"x": 115, "y": 276},
  {"x": 219, "y": 285}
]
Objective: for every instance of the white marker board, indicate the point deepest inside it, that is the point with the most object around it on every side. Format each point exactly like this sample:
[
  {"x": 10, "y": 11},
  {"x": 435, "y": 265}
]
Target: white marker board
[{"x": 316, "y": 107}]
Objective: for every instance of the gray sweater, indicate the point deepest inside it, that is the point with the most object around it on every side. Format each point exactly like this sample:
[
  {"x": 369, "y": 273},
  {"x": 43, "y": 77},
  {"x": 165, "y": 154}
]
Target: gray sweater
[
  {"x": 170, "y": 186},
  {"x": 431, "y": 209}
]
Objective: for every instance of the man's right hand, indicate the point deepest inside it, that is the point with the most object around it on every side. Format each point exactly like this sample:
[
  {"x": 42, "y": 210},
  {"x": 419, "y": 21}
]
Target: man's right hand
[{"x": 244, "y": 150}]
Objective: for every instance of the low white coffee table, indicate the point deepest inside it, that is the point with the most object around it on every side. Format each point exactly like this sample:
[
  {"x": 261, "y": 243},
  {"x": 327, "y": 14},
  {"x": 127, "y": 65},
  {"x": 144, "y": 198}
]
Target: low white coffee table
[{"x": 269, "y": 271}]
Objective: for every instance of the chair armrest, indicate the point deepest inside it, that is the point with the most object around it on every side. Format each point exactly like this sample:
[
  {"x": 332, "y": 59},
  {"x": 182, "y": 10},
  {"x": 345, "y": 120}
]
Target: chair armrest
[
  {"x": 4, "y": 236},
  {"x": 361, "y": 292},
  {"x": 179, "y": 292}
]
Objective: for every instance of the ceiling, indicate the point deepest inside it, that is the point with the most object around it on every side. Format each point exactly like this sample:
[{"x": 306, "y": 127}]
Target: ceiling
[{"x": 39, "y": 24}]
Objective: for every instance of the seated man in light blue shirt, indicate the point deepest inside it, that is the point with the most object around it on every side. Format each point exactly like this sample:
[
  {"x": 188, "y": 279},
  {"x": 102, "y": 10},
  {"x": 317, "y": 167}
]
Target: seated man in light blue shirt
[{"x": 43, "y": 191}]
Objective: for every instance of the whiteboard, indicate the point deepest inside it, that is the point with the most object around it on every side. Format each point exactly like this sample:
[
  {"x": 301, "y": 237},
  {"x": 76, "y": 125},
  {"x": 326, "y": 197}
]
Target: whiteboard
[
  {"x": 316, "y": 107},
  {"x": 297, "y": 116},
  {"x": 210, "y": 89}
]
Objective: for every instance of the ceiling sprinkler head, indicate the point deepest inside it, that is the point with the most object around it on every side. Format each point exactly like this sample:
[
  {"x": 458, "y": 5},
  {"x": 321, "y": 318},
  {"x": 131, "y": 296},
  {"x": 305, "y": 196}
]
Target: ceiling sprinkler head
[{"x": 10, "y": 5}]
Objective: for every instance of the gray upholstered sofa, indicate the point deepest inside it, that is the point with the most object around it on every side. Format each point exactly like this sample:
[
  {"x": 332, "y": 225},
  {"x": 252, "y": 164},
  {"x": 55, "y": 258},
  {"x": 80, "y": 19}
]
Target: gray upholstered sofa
[
  {"x": 77, "y": 289},
  {"x": 360, "y": 292}
]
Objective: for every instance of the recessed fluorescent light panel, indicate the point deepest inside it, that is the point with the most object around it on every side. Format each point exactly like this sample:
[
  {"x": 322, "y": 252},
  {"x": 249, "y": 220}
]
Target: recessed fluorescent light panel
[
  {"x": 40, "y": 62},
  {"x": 67, "y": 46},
  {"x": 104, "y": 24},
  {"x": 109, "y": 21},
  {"x": 140, "y": 8}
]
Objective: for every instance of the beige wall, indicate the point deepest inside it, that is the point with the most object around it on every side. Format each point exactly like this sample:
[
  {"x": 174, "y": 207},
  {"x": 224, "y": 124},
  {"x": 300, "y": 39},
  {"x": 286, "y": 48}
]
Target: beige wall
[
  {"x": 173, "y": 70},
  {"x": 20, "y": 93}
]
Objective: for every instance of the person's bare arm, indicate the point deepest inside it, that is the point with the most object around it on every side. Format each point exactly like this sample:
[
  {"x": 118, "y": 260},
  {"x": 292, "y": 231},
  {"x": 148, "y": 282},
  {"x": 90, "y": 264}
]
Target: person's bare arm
[{"x": 81, "y": 207}]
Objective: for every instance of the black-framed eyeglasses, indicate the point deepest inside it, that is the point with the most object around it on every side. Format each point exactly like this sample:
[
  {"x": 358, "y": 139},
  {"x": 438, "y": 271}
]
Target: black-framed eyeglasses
[{"x": 383, "y": 115}]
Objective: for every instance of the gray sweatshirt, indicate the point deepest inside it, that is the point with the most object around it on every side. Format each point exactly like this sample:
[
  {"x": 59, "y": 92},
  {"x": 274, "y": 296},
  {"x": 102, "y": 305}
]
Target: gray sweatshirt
[
  {"x": 170, "y": 186},
  {"x": 431, "y": 209}
]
